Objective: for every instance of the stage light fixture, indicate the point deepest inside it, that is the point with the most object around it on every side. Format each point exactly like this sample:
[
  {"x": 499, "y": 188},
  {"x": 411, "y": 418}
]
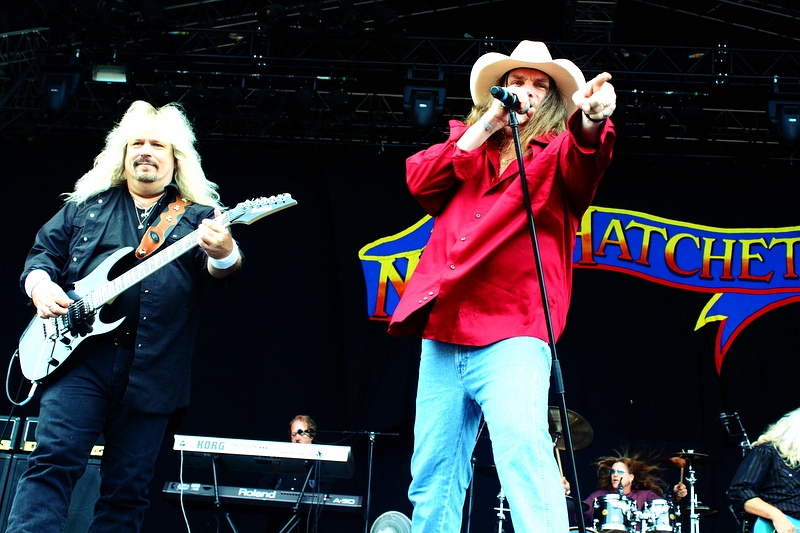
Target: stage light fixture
[
  {"x": 163, "y": 92},
  {"x": 386, "y": 22},
  {"x": 270, "y": 103},
  {"x": 59, "y": 77},
  {"x": 301, "y": 104},
  {"x": 198, "y": 99},
  {"x": 228, "y": 99},
  {"x": 656, "y": 122},
  {"x": 110, "y": 73},
  {"x": 391, "y": 522},
  {"x": 785, "y": 116},
  {"x": 423, "y": 96},
  {"x": 272, "y": 16},
  {"x": 693, "y": 120},
  {"x": 341, "y": 105},
  {"x": 311, "y": 18},
  {"x": 56, "y": 89},
  {"x": 349, "y": 21}
]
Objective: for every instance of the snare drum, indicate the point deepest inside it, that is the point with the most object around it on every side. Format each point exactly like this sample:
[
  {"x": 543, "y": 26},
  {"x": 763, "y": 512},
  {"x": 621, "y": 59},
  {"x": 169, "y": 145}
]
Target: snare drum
[
  {"x": 612, "y": 513},
  {"x": 661, "y": 516}
]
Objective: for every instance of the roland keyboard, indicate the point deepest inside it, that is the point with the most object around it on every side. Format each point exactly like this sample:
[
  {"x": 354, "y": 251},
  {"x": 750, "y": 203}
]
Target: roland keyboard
[
  {"x": 265, "y": 455},
  {"x": 256, "y": 496}
]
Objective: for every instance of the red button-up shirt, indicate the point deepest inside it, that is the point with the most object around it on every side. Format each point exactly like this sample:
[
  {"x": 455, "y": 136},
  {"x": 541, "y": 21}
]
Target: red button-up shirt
[{"x": 476, "y": 282}]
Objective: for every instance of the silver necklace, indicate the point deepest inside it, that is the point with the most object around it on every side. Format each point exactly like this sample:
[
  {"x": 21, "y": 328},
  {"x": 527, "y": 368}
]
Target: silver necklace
[{"x": 144, "y": 214}]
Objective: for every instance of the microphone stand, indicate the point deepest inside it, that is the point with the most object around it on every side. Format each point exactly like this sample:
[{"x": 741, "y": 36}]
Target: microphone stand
[
  {"x": 371, "y": 435},
  {"x": 557, "y": 378},
  {"x": 369, "y": 479},
  {"x": 745, "y": 445},
  {"x": 295, "y": 520}
]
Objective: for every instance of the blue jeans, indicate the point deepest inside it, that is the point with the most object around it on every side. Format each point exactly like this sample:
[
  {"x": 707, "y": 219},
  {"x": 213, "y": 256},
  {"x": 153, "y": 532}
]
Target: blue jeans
[
  {"x": 508, "y": 383},
  {"x": 74, "y": 411}
]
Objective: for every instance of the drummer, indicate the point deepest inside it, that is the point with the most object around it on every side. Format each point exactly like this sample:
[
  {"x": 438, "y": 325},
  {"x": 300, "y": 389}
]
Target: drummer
[{"x": 638, "y": 478}]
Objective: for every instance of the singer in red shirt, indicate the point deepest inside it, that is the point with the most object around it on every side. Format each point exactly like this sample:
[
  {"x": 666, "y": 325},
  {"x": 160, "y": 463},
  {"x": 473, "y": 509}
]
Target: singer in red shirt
[{"x": 474, "y": 297}]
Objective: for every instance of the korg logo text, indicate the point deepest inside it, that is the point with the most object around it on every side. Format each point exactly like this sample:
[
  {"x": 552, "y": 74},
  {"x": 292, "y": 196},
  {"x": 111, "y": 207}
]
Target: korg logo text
[{"x": 210, "y": 445}]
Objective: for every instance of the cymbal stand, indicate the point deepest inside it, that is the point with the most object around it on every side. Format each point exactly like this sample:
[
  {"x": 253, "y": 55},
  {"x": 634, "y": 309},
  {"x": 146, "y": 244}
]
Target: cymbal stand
[
  {"x": 501, "y": 510},
  {"x": 694, "y": 516}
]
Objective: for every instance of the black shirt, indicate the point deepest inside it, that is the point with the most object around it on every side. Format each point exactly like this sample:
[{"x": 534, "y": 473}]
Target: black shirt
[
  {"x": 764, "y": 474},
  {"x": 70, "y": 246}
]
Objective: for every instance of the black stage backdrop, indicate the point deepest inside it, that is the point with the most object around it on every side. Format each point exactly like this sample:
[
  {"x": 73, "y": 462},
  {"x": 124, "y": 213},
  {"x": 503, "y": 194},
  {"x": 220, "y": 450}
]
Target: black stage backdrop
[{"x": 293, "y": 336}]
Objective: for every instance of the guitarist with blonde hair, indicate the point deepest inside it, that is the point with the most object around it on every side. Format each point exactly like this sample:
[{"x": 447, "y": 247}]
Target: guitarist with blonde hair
[
  {"x": 131, "y": 371},
  {"x": 767, "y": 482}
]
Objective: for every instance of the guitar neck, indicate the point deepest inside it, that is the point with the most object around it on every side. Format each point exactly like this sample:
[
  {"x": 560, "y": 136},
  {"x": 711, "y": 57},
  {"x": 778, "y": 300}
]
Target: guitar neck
[{"x": 118, "y": 285}]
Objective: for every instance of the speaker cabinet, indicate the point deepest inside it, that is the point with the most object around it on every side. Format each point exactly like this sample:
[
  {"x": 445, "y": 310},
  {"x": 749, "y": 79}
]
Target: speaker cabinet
[{"x": 84, "y": 495}]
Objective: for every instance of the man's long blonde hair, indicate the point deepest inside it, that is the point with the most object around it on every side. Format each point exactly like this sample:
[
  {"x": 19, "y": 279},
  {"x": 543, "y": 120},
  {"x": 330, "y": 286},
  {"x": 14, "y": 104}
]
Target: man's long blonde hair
[
  {"x": 171, "y": 126},
  {"x": 550, "y": 116},
  {"x": 784, "y": 435}
]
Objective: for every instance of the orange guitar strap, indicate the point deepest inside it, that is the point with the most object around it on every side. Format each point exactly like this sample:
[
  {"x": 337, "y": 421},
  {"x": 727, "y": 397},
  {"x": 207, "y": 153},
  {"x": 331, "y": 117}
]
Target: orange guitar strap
[{"x": 158, "y": 232}]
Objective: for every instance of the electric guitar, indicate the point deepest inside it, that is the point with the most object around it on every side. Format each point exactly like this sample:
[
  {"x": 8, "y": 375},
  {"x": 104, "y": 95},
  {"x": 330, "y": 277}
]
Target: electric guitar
[
  {"x": 47, "y": 342},
  {"x": 763, "y": 525}
]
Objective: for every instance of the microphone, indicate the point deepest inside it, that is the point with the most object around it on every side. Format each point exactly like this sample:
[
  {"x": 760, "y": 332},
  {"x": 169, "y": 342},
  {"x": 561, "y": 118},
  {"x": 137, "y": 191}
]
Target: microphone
[
  {"x": 508, "y": 99},
  {"x": 725, "y": 418}
]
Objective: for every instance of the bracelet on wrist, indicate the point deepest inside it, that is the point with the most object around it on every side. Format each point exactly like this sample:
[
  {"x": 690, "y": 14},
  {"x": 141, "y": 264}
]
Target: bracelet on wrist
[
  {"x": 486, "y": 125},
  {"x": 226, "y": 262},
  {"x": 595, "y": 120}
]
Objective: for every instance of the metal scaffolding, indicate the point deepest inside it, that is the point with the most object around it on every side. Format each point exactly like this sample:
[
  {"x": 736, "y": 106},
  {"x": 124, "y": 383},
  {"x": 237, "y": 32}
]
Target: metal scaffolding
[{"x": 244, "y": 78}]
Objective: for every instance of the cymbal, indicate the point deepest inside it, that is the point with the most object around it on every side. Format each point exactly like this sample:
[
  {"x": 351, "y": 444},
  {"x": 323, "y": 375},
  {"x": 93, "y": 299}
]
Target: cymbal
[
  {"x": 571, "y": 504},
  {"x": 580, "y": 430},
  {"x": 703, "y": 510},
  {"x": 690, "y": 458}
]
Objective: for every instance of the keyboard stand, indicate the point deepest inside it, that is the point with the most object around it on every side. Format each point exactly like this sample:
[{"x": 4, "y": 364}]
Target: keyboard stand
[
  {"x": 218, "y": 505},
  {"x": 295, "y": 520}
]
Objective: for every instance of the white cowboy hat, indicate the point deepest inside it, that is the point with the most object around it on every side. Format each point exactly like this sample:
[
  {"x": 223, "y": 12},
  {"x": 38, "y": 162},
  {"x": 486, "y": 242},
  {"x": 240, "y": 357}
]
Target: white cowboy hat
[{"x": 528, "y": 54}]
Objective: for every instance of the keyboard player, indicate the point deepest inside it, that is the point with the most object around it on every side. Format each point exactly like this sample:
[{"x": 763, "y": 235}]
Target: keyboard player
[{"x": 302, "y": 430}]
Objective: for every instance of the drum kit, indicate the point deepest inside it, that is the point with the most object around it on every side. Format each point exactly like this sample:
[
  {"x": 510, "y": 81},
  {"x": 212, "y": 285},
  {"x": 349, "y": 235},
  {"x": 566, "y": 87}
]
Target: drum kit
[{"x": 615, "y": 513}]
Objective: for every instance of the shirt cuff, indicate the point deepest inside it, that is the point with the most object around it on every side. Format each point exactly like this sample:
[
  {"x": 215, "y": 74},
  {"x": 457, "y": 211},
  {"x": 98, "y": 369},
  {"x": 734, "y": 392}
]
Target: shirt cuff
[{"x": 33, "y": 279}]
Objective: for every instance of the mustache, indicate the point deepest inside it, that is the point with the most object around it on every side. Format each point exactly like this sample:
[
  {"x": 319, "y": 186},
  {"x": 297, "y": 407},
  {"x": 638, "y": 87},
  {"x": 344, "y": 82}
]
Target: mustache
[{"x": 144, "y": 159}]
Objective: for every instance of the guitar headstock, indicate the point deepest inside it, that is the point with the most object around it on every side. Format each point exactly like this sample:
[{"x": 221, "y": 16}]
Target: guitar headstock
[{"x": 249, "y": 211}]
